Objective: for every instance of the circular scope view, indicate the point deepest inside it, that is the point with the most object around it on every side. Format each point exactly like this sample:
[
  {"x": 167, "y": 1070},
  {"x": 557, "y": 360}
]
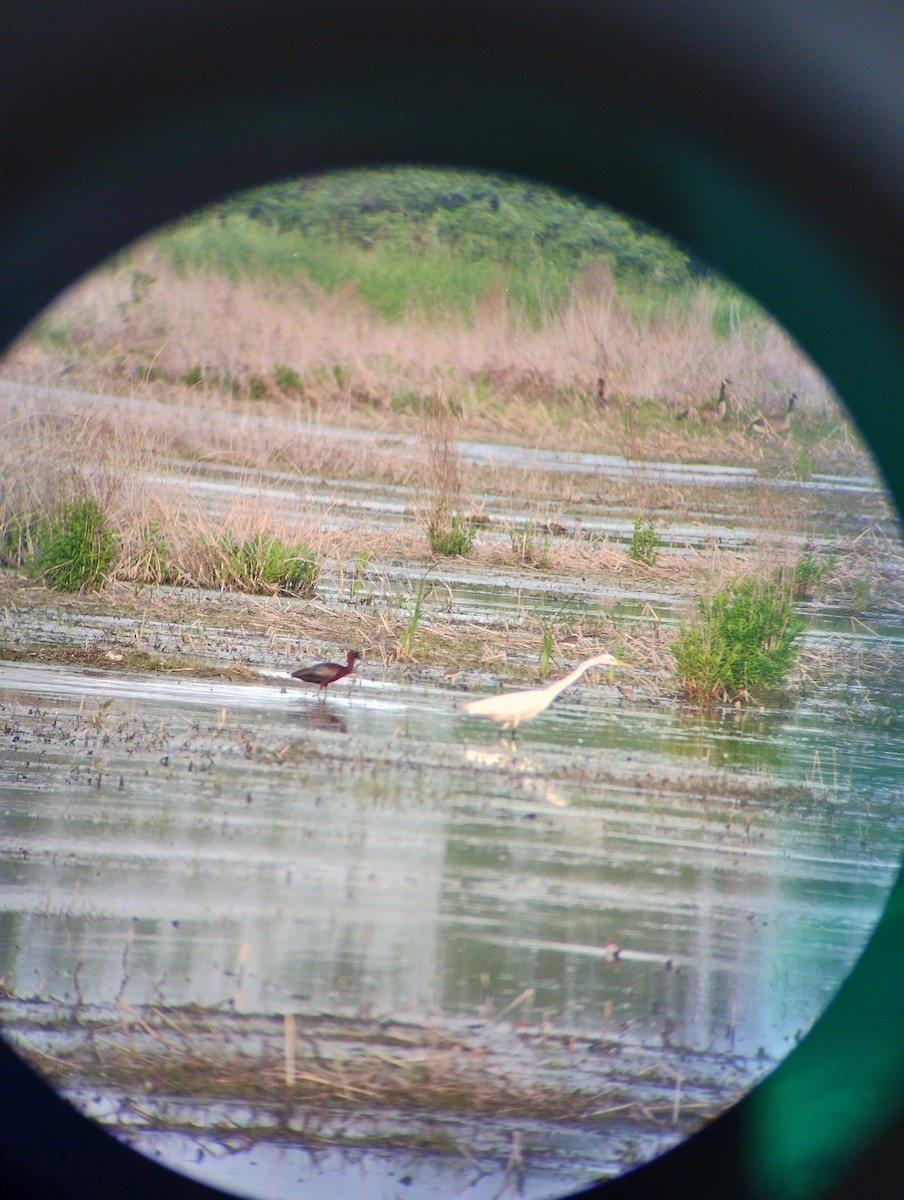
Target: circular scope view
[{"x": 450, "y": 691}]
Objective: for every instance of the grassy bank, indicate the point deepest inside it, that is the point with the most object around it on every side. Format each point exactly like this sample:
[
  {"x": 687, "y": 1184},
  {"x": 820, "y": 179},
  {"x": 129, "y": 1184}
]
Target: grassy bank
[
  {"x": 365, "y": 297},
  {"x": 439, "y": 306}
]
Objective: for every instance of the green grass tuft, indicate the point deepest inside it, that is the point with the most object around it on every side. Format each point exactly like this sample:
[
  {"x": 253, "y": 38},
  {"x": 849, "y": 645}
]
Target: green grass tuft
[
  {"x": 74, "y": 550},
  {"x": 743, "y": 642},
  {"x": 449, "y": 533},
  {"x": 264, "y": 563}
]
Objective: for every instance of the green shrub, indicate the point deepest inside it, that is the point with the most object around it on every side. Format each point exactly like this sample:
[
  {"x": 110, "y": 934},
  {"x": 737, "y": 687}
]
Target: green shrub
[
  {"x": 287, "y": 378},
  {"x": 743, "y": 641},
  {"x": 74, "y": 550},
  {"x": 450, "y": 533},
  {"x": 644, "y": 544},
  {"x": 265, "y": 563}
]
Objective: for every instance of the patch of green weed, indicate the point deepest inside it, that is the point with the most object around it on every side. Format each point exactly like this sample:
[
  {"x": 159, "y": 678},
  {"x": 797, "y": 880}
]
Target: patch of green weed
[
  {"x": 805, "y": 464},
  {"x": 264, "y": 563},
  {"x": 74, "y": 550},
  {"x": 807, "y": 572},
  {"x": 287, "y": 378},
  {"x": 449, "y": 533},
  {"x": 742, "y": 642},
  {"x": 644, "y": 544}
]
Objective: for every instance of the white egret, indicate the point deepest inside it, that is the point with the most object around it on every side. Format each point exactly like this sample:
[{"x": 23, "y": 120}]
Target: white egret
[{"x": 512, "y": 707}]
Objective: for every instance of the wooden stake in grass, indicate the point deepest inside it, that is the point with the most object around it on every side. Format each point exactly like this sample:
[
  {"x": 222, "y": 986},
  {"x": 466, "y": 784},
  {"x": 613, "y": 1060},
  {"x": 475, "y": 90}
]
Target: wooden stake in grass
[
  {"x": 244, "y": 955},
  {"x": 289, "y": 1048}
]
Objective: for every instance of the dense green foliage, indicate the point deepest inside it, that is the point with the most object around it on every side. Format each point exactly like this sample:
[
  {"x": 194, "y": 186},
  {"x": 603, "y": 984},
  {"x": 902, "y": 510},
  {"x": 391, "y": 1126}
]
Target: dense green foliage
[
  {"x": 644, "y": 544},
  {"x": 75, "y": 549},
  {"x": 479, "y": 217},
  {"x": 743, "y": 641},
  {"x": 264, "y": 564},
  {"x": 428, "y": 238}
]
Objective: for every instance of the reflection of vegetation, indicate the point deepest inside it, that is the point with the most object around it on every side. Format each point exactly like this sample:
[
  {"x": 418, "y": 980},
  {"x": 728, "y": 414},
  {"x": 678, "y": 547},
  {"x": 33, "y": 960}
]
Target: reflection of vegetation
[
  {"x": 74, "y": 550},
  {"x": 209, "y": 1059},
  {"x": 644, "y": 544},
  {"x": 743, "y": 641}
]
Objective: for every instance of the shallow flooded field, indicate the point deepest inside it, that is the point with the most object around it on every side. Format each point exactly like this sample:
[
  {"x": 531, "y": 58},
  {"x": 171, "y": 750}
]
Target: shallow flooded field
[{"x": 356, "y": 940}]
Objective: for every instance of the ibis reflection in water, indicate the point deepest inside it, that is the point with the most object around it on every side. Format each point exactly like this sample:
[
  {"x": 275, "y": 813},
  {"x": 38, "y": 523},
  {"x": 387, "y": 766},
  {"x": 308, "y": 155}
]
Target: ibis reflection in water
[{"x": 509, "y": 709}]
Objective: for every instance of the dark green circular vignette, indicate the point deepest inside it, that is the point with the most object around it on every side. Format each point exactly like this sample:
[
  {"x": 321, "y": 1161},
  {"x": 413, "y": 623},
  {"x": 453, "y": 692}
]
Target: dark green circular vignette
[{"x": 800, "y": 1131}]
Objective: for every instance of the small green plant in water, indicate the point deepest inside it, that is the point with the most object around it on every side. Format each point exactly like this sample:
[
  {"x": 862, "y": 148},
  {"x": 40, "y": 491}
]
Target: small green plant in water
[
  {"x": 450, "y": 533},
  {"x": 547, "y": 648},
  {"x": 74, "y": 550},
  {"x": 861, "y": 596},
  {"x": 743, "y": 641},
  {"x": 807, "y": 572},
  {"x": 644, "y": 544},
  {"x": 414, "y": 618}
]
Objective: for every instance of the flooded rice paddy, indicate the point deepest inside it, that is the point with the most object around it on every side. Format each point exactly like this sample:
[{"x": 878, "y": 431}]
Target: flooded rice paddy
[{"x": 356, "y": 942}]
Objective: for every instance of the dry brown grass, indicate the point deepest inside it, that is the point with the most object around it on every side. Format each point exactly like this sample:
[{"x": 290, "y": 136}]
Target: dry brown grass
[
  {"x": 231, "y": 335},
  {"x": 358, "y": 1064}
]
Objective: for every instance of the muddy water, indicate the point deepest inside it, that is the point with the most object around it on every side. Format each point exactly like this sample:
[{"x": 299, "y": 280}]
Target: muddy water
[{"x": 173, "y": 841}]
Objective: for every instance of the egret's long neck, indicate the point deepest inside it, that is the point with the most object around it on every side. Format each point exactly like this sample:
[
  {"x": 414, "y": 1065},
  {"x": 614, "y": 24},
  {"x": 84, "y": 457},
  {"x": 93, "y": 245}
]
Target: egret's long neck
[{"x": 574, "y": 675}]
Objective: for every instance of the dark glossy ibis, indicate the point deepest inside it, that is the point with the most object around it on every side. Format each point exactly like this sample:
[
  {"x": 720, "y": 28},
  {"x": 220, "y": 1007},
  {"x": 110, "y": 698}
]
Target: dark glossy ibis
[{"x": 325, "y": 673}]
